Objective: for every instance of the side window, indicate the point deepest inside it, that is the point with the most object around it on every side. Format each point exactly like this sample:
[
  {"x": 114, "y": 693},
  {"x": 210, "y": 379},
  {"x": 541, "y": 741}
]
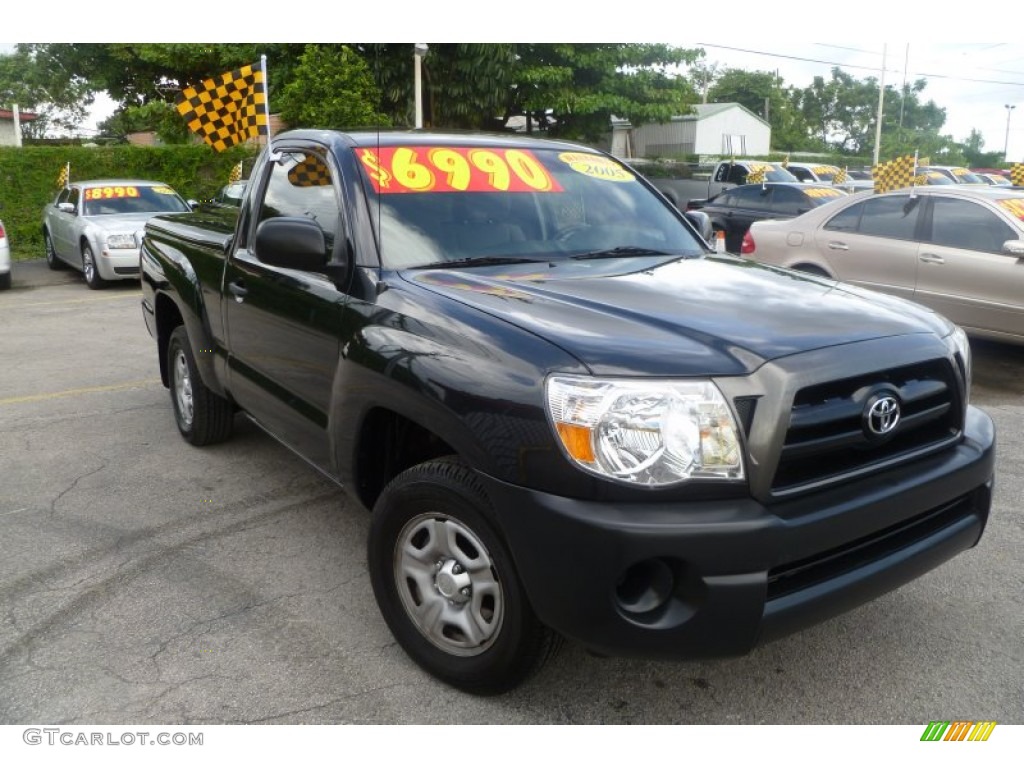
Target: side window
[
  {"x": 722, "y": 172},
  {"x": 894, "y": 217},
  {"x": 963, "y": 224},
  {"x": 73, "y": 197},
  {"x": 63, "y": 196},
  {"x": 737, "y": 174},
  {"x": 300, "y": 184},
  {"x": 752, "y": 197},
  {"x": 789, "y": 201},
  {"x": 801, "y": 173}
]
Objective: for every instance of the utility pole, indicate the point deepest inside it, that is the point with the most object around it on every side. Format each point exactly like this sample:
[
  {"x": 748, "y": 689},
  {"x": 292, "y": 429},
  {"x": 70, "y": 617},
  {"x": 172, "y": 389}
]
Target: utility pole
[
  {"x": 1006, "y": 144},
  {"x": 881, "y": 101}
]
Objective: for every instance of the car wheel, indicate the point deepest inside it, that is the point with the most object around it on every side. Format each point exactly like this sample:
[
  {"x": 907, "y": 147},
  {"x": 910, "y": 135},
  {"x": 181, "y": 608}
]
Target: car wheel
[
  {"x": 89, "y": 269},
  {"x": 5, "y": 281},
  {"x": 446, "y": 585},
  {"x": 52, "y": 260},
  {"x": 203, "y": 416}
]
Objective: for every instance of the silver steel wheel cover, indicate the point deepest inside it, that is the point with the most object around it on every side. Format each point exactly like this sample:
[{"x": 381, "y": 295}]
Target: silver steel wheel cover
[
  {"x": 427, "y": 550},
  {"x": 183, "y": 387}
]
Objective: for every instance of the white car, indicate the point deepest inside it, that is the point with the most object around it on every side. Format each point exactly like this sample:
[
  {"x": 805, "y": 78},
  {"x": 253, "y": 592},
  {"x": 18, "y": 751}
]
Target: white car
[
  {"x": 5, "y": 259},
  {"x": 96, "y": 226},
  {"x": 823, "y": 173}
]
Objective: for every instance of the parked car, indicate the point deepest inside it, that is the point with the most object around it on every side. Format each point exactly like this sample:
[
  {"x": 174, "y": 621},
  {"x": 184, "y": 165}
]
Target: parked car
[
  {"x": 823, "y": 173},
  {"x": 955, "y": 173},
  {"x": 5, "y": 259},
  {"x": 957, "y": 249},
  {"x": 96, "y": 226},
  {"x": 995, "y": 179},
  {"x": 733, "y": 211}
]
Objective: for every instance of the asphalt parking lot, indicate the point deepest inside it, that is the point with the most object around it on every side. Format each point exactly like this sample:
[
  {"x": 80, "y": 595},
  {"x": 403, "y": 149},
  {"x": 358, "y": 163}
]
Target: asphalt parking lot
[{"x": 146, "y": 581}]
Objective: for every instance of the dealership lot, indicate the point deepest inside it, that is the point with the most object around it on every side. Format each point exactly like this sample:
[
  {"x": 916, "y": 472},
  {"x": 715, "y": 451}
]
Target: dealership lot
[{"x": 145, "y": 581}]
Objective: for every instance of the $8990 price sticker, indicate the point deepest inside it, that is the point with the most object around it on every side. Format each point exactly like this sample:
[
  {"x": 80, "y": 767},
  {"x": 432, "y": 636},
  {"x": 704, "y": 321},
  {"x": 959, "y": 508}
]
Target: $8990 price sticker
[{"x": 455, "y": 169}]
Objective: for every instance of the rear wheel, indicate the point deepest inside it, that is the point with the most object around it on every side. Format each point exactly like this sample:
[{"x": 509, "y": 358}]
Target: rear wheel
[
  {"x": 203, "y": 416},
  {"x": 52, "y": 260},
  {"x": 89, "y": 269},
  {"x": 446, "y": 584}
]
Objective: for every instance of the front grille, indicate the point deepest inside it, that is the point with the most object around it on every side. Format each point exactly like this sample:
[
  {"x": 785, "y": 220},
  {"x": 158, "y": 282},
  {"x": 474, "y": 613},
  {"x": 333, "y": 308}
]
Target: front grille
[
  {"x": 827, "y": 440},
  {"x": 804, "y": 574}
]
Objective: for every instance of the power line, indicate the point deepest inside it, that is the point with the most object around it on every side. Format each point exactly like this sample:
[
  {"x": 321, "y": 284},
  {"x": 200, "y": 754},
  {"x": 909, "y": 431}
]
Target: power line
[{"x": 843, "y": 65}]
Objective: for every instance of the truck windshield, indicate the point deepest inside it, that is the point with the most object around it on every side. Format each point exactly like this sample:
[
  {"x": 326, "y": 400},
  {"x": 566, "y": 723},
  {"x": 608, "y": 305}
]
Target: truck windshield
[{"x": 435, "y": 205}]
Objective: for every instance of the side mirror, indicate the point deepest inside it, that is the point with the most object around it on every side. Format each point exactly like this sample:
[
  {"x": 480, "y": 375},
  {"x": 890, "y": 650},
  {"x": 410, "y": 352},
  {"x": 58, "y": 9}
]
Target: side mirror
[
  {"x": 293, "y": 242},
  {"x": 193, "y": 204},
  {"x": 65, "y": 207},
  {"x": 702, "y": 223},
  {"x": 1014, "y": 248}
]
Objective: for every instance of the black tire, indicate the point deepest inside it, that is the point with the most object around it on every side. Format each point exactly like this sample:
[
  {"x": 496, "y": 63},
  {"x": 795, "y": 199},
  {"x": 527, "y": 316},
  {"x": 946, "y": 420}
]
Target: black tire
[
  {"x": 430, "y": 522},
  {"x": 52, "y": 260},
  {"x": 203, "y": 417},
  {"x": 90, "y": 270},
  {"x": 5, "y": 281}
]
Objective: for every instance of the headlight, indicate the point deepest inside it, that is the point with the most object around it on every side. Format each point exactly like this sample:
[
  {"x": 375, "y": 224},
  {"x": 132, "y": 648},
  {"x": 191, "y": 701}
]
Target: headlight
[
  {"x": 121, "y": 241},
  {"x": 643, "y": 432},
  {"x": 963, "y": 348}
]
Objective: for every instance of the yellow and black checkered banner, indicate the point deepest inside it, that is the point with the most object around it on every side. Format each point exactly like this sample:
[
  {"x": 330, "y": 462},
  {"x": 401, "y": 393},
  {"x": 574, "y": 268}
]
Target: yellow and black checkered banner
[
  {"x": 840, "y": 178},
  {"x": 64, "y": 177},
  {"x": 896, "y": 174},
  {"x": 228, "y": 109},
  {"x": 311, "y": 172},
  {"x": 236, "y": 173},
  {"x": 756, "y": 176},
  {"x": 1017, "y": 174},
  {"x": 785, "y": 161}
]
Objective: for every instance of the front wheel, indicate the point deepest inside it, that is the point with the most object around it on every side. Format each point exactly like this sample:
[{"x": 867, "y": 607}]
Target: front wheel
[
  {"x": 52, "y": 260},
  {"x": 90, "y": 270},
  {"x": 203, "y": 416},
  {"x": 446, "y": 585}
]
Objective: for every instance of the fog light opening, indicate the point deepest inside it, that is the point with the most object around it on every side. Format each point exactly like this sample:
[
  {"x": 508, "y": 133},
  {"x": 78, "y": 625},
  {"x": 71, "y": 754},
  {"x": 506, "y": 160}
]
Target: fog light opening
[{"x": 645, "y": 587}]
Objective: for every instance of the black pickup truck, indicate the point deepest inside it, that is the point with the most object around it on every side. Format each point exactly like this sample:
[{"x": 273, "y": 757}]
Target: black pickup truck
[{"x": 568, "y": 417}]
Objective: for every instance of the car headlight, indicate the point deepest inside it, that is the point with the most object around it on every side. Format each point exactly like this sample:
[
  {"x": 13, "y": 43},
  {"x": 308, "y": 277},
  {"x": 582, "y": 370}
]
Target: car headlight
[
  {"x": 121, "y": 241},
  {"x": 962, "y": 345},
  {"x": 645, "y": 432}
]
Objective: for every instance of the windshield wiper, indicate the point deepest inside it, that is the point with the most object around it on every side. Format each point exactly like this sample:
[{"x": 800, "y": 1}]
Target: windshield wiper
[
  {"x": 482, "y": 261},
  {"x": 623, "y": 250}
]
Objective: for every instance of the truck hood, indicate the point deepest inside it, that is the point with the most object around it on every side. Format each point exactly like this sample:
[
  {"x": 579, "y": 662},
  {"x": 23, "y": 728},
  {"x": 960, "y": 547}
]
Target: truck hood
[{"x": 709, "y": 316}]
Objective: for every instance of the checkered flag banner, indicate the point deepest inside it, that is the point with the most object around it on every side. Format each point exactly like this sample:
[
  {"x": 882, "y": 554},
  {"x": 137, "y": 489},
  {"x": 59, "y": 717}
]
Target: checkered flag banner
[
  {"x": 311, "y": 172},
  {"x": 1017, "y": 174},
  {"x": 896, "y": 174},
  {"x": 236, "y": 173},
  {"x": 228, "y": 109},
  {"x": 841, "y": 177},
  {"x": 756, "y": 176},
  {"x": 64, "y": 177}
]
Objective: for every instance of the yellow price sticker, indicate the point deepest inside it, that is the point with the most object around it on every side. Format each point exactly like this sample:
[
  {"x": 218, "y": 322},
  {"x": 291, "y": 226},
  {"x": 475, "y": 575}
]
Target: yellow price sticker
[{"x": 596, "y": 166}]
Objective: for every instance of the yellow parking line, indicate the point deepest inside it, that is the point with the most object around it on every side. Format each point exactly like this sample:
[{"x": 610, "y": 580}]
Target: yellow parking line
[
  {"x": 72, "y": 301},
  {"x": 82, "y": 391}
]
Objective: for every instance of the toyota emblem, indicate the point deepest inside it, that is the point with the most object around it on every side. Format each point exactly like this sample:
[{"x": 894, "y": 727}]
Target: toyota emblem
[{"x": 882, "y": 416}]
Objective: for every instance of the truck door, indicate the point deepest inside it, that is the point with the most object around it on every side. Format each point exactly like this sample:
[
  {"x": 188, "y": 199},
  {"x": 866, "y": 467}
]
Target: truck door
[{"x": 283, "y": 324}]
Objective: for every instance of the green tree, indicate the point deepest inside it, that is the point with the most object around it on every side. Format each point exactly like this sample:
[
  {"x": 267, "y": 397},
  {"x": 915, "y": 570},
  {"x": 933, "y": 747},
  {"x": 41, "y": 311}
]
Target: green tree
[
  {"x": 60, "y": 98},
  {"x": 332, "y": 87}
]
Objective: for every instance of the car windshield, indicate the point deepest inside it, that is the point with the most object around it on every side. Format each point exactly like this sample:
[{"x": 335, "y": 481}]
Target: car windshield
[
  {"x": 443, "y": 204},
  {"x": 130, "y": 198}
]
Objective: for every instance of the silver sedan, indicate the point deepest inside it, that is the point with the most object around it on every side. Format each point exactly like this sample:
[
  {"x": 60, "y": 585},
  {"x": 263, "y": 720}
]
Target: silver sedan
[
  {"x": 958, "y": 249},
  {"x": 96, "y": 226}
]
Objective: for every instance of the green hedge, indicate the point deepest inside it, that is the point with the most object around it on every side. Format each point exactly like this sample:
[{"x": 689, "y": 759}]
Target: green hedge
[{"x": 28, "y": 178}]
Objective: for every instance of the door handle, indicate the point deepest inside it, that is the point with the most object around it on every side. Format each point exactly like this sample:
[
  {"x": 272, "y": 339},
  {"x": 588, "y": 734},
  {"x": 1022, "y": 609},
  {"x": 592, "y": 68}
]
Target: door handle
[
  {"x": 238, "y": 290},
  {"x": 837, "y": 246},
  {"x": 931, "y": 258}
]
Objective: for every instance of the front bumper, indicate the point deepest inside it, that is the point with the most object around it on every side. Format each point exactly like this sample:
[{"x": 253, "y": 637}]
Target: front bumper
[
  {"x": 717, "y": 578},
  {"x": 118, "y": 263}
]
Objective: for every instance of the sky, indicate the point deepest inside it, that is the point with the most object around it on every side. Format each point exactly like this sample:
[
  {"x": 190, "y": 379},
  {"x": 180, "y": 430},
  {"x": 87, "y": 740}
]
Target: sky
[{"x": 972, "y": 81}]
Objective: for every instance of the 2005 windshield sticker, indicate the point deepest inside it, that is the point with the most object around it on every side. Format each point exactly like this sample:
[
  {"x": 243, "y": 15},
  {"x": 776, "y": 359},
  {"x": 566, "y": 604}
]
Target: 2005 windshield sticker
[
  {"x": 596, "y": 166},
  {"x": 455, "y": 169}
]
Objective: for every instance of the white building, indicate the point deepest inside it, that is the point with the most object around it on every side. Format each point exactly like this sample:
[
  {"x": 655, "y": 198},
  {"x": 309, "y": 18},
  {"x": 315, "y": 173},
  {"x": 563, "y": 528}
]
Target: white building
[{"x": 714, "y": 129}]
